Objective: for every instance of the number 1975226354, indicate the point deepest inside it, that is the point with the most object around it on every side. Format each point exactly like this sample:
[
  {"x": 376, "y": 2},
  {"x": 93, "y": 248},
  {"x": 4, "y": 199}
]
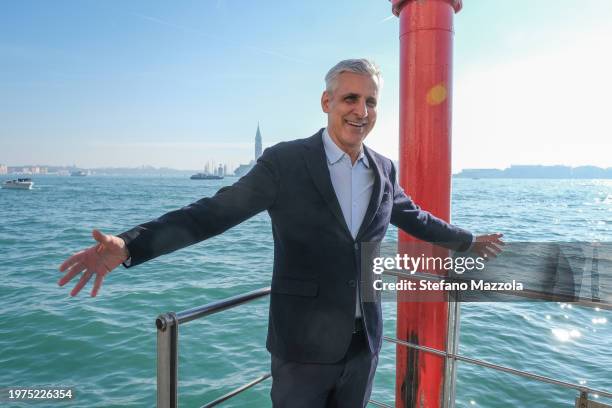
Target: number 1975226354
[{"x": 36, "y": 393}]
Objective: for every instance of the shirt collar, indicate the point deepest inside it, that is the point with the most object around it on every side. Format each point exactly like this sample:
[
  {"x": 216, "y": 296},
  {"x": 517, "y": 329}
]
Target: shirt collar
[{"x": 335, "y": 154}]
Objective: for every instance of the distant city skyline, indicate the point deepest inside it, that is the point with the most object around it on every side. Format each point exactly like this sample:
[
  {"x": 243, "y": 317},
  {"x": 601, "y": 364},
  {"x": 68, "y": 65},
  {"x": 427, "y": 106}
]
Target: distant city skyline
[
  {"x": 536, "y": 171},
  {"x": 513, "y": 171},
  {"x": 210, "y": 167},
  {"x": 126, "y": 84}
]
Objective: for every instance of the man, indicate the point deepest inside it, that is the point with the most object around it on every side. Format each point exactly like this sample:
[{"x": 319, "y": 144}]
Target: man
[{"x": 326, "y": 195}]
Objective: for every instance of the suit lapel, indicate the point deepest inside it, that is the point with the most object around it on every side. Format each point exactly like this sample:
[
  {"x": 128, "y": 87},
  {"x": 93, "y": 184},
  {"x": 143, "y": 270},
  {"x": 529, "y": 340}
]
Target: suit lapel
[
  {"x": 316, "y": 162},
  {"x": 375, "y": 198}
]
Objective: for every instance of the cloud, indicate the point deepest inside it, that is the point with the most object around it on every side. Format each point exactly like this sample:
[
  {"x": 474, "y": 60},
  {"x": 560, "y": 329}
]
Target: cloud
[
  {"x": 179, "y": 27},
  {"x": 384, "y": 20}
]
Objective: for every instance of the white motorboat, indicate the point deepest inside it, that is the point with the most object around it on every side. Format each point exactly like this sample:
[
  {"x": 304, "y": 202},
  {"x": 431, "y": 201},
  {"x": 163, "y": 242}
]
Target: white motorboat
[{"x": 19, "y": 184}]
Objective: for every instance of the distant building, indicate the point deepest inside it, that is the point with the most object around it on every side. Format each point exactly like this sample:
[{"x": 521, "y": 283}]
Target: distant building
[
  {"x": 3, "y": 169},
  {"x": 244, "y": 168},
  {"x": 257, "y": 143}
]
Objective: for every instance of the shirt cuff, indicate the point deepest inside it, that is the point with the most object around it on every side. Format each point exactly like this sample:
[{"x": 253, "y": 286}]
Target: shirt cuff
[{"x": 128, "y": 262}]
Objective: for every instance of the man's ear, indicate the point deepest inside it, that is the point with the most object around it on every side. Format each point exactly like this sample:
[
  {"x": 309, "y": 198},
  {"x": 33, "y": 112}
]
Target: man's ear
[{"x": 325, "y": 101}]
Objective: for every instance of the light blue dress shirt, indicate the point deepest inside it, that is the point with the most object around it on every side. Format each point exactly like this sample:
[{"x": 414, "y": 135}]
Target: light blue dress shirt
[{"x": 353, "y": 184}]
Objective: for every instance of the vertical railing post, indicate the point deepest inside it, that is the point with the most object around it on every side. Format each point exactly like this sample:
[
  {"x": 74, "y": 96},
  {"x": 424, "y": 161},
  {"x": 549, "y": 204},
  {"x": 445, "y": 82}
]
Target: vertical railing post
[
  {"x": 583, "y": 400},
  {"x": 452, "y": 346},
  {"x": 167, "y": 361}
]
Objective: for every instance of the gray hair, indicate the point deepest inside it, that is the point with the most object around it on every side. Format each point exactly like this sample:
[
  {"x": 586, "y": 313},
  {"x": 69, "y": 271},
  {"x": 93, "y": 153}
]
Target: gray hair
[{"x": 358, "y": 66}]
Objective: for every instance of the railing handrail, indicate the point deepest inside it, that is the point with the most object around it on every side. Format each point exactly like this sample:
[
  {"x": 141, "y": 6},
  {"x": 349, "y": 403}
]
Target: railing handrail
[
  {"x": 237, "y": 391},
  {"x": 213, "y": 307},
  {"x": 498, "y": 367},
  {"x": 167, "y": 344}
]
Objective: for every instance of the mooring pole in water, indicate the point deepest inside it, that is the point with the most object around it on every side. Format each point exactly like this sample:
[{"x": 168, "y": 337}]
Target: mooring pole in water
[{"x": 426, "y": 44}]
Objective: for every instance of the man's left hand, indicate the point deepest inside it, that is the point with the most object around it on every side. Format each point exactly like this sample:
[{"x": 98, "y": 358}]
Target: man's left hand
[{"x": 488, "y": 246}]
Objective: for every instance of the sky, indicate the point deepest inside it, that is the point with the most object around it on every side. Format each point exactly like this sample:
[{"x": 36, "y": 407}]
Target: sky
[{"x": 177, "y": 84}]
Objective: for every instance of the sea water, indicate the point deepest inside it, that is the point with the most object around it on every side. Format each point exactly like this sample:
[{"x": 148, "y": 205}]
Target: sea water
[{"x": 104, "y": 348}]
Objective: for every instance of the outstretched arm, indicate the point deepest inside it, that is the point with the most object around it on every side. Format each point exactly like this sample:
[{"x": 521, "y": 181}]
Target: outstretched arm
[
  {"x": 409, "y": 217},
  {"x": 203, "y": 219}
]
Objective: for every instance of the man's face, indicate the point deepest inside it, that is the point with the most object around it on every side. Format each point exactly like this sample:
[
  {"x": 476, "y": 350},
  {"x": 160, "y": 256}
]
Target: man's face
[{"x": 351, "y": 109}]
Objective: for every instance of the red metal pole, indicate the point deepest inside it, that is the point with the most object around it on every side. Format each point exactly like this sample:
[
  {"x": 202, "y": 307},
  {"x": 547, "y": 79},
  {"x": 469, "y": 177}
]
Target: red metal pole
[{"x": 426, "y": 39}]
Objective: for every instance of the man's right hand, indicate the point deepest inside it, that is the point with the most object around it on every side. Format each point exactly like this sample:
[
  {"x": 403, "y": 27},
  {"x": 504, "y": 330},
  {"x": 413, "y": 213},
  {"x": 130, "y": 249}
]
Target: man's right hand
[{"x": 106, "y": 255}]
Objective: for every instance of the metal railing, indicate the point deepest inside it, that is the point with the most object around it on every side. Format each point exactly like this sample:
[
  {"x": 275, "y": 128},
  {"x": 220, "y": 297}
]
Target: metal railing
[
  {"x": 454, "y": 356},
  {"x": 167, "y": 349},
  {"x": 167, "y": 356},
  {"x": 457, "y": 357}
]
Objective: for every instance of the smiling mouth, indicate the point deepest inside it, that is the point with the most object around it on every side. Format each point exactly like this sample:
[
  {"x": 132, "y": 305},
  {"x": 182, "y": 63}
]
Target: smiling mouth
[{"x": 356, "y": 124}]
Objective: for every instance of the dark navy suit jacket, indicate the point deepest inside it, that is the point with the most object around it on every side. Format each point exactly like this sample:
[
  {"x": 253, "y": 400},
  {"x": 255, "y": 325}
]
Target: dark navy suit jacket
[{"x": 316, "y": 260}]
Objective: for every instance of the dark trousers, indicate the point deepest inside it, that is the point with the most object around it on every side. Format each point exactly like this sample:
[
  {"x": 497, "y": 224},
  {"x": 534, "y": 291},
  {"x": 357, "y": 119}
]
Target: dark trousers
[{"x": 345, "y": 384}]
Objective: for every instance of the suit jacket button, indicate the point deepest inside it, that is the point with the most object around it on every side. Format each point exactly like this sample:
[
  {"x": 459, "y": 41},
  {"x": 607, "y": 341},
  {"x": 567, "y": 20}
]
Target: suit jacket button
[{"x": 352, "y": 283}]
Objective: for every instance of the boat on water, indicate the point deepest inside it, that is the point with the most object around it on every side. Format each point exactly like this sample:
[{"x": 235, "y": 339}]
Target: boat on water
[
  {"x": 79, "y": 173},
  {"x": 18, "y": 184},
  {"x": 205, "y": 176}
]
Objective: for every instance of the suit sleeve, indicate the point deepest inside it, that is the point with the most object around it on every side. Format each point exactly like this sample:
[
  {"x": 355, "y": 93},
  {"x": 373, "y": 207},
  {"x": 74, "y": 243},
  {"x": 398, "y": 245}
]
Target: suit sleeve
[
  {"x": 421, "y": 224},
  {"x": 210, "y": 216}
]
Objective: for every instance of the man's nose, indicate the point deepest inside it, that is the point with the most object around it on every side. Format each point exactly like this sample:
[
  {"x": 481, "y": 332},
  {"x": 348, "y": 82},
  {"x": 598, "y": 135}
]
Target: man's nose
[{"x": 361, "y": 109}]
